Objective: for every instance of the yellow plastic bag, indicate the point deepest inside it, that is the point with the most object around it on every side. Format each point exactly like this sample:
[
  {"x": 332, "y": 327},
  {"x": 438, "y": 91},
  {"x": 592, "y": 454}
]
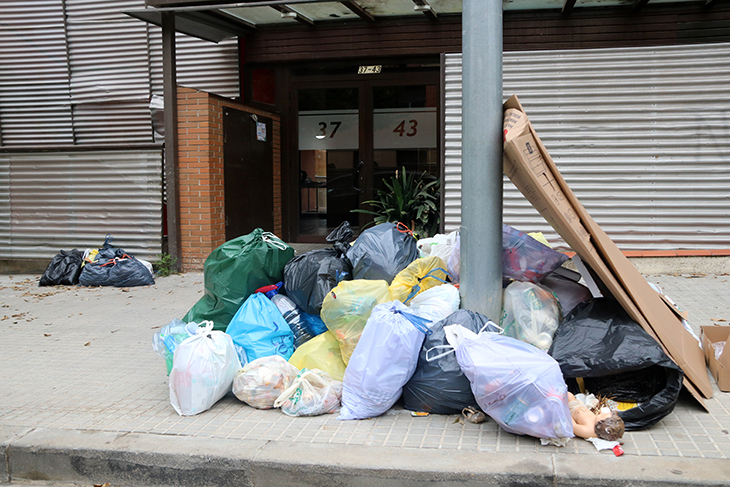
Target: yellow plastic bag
[
  {"x": 346, "y": 309},
  {"x": 321, "y": 352},
  {"x": 421, "y": 274}
]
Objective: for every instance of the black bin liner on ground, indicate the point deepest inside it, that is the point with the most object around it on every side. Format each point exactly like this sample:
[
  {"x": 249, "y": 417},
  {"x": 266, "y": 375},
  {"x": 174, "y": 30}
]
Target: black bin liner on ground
[
  {"x": 439, "y": 386},
  {"x": 618, "y": 359},
  {"x": 310, "y": 276},
  {"x": 64, "y": 268},
  {"x": 119, "y": 272}
]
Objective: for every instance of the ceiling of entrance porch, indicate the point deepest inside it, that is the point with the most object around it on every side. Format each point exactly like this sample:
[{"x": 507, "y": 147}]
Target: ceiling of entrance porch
[{"x": 216, "y": 20}]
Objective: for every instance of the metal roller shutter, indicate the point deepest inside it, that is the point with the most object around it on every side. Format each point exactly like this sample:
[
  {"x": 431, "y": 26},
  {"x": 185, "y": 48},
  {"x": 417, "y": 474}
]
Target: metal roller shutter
[
  {"x": 200, "y": 64},
  {"x": 65, "y": 200},
  {"x": 110, "y": 73},
  {"x": 35, "y": 105},
  {"x": 641, "y": 135}
]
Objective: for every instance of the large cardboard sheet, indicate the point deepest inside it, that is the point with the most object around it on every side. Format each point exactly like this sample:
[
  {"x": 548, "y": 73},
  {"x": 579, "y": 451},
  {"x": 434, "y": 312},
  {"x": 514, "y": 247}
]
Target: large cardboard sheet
[{"x": 532, "y": 170}]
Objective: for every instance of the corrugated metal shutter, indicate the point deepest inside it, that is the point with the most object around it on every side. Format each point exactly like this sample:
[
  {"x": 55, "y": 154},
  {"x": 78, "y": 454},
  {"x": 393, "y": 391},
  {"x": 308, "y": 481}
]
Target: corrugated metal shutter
[
  {"x": 63, "y": 200},
  {"x": 35, "y": 107},
  {"x": 201, "y": 64},
  {"x": 110, "y": 72},
  {"x": 641, "y": 135},
  {"x": 452, "y": 142}
]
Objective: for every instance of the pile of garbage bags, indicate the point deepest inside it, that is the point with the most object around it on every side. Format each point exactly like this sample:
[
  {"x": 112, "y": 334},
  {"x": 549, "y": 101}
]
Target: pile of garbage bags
[
  {"x": 105, "y": 266},
  {"x": 359, "y": 326}
]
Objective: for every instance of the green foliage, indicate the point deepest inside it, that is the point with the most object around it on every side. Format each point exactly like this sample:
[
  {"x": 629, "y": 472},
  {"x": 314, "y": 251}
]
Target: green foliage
[
  {"x": 165, "y": 266},
  {"x": 408, "y": 199}
]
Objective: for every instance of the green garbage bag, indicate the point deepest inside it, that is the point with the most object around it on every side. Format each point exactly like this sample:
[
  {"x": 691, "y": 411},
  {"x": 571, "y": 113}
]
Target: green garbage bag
[{"x": 233, "y": 271}]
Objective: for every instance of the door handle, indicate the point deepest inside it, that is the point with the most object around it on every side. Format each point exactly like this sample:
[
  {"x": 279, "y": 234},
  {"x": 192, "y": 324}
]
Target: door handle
[{"x": 356, "y": 178}]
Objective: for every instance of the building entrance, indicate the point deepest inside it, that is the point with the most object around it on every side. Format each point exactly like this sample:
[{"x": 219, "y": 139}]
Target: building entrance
[{"x": 354, "y": 134}]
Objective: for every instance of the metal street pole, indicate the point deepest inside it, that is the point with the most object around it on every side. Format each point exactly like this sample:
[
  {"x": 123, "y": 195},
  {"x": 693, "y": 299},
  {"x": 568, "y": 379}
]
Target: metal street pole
[{"x": 481, "y": 166}]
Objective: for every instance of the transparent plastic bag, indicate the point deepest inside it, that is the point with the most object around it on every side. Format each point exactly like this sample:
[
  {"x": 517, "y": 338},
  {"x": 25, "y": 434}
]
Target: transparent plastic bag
[
  {"x": 203, "y": 369},
  {"x": 321, "y": 352},
  {"x": 312, "y": 393},
  {"x": 531, "y": 313},
  {"x": 346, "y": 309},
  {"x": 263, "y": 380},
  {"x": 165, "y": 341},
  {"x": 526, "y": 259},
  {"x": 519, "y": 386}
]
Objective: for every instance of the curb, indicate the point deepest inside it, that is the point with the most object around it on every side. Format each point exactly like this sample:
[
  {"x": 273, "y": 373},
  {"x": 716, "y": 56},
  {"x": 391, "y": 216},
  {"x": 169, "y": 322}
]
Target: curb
[{"x": 162, "y": 460}]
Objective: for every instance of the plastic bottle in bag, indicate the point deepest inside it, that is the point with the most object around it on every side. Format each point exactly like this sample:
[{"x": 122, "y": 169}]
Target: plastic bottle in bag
[{"x": 293, "y": 318}]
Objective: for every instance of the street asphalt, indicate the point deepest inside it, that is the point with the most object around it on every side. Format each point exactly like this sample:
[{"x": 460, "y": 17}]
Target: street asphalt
[{"x": 85, "y": 401}]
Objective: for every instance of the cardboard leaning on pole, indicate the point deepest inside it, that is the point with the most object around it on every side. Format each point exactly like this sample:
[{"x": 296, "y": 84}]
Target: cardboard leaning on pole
[{"x": 532, "y": 170}]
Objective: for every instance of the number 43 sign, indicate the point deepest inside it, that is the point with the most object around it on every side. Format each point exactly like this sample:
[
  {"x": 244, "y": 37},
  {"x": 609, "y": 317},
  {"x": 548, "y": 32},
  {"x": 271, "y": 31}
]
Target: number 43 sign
[
  {"x": 392, "y": 129},
  {"x": 403, "y": 128}
]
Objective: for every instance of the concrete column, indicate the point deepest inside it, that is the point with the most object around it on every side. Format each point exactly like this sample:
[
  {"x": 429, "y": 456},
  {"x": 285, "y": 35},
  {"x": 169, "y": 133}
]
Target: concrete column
[{"x": 481, "y": 187}]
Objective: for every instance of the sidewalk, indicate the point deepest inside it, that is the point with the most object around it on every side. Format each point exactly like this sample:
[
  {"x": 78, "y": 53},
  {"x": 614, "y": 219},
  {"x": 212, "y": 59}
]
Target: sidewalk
[{"x": 85, "y": 399}]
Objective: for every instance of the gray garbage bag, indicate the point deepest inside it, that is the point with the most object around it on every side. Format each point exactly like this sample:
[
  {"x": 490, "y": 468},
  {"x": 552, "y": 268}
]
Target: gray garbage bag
[
  {"x": 440, "y": 386},
  {"x": 381, "y": 252}
]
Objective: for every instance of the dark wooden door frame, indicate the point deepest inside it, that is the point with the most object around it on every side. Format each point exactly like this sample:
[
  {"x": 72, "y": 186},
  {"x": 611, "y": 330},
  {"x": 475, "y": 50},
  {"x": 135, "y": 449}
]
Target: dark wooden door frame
[{"x": 365, "y": 84}]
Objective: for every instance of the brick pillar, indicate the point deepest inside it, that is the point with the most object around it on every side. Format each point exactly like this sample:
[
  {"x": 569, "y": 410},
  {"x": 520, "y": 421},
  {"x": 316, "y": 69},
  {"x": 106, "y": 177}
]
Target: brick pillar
[
  {"x": 200, "y": 154},
  {"x": 202, "y": 203}
]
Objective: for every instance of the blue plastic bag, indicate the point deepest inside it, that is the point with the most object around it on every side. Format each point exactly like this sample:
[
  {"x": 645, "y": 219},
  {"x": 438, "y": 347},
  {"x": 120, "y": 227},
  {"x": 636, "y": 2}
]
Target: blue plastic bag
[
  {"x": 259, "y": 330},
  {"x": 314, "y": 324}
]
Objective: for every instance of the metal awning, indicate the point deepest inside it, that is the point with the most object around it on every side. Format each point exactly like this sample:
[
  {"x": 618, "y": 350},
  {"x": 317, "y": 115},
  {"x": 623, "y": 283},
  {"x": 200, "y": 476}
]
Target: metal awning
[{"x": 215, "y": 21}]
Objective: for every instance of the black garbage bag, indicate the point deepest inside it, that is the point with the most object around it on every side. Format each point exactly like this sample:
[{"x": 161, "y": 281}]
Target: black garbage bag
[
  {"x": 64, "y": 268},
  {"x": 381, "y": 252},
  {"x": 616, "y": 358},
  {"x": 119, "y": 272},
  {"x": 310, "y": 276},
  {"x": 439, "y": 386}
]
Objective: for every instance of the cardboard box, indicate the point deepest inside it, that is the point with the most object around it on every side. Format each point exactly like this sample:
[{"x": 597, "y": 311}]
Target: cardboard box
[
  {"x": 720, "y": 369},
  {"x": 530, "y": 167}
]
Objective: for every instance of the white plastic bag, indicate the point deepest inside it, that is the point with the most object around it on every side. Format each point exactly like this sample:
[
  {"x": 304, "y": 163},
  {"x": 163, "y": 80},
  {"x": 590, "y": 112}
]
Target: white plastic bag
[
  {"x": 312, "y": 393},
  {"x": 519, "y": 386},
  {"x": 436, "y": 303},
  {"x": 453, "y": 263},
  {"x": 263, "y": 380},
  {"x": 383, "y": 361},
  {"x": 439, "y": 245},
  {"x": 202, "y": 372},
  {"x": 530, "y": 313}
]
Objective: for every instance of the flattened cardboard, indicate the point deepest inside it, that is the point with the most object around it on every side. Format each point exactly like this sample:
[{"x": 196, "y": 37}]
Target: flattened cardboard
[
  {"x": 530, "y": 167},
  {"x": 720, "y": 369}
]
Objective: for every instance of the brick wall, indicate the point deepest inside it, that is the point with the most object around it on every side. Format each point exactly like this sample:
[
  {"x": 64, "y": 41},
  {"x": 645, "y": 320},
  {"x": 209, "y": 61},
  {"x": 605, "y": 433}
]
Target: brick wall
[{"x": 201, "y": 186}]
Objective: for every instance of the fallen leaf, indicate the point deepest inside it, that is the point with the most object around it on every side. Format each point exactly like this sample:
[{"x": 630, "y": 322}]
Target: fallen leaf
[
  {"x": 87, "y": 344},
  {"x": 46, "y": 334},
  {"x": 114, "y": 331},
  {"x": 125, "y": 289},
  {"x": 718, "y": 319},
  {"x": 156, "y": 327}
]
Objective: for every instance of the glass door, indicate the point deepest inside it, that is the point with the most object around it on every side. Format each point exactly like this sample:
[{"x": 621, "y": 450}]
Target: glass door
[
  {"x": 353, "y": 137},
  {"x": 329, "y": 159}
]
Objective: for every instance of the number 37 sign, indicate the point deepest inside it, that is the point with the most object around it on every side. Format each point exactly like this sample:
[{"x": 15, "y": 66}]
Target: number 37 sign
[{"x": 392, "y": 129}]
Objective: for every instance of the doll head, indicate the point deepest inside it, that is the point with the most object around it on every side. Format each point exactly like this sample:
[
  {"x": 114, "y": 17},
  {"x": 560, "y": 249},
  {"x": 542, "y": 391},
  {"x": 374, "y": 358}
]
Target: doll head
[{"x": 610, "y": 428}]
